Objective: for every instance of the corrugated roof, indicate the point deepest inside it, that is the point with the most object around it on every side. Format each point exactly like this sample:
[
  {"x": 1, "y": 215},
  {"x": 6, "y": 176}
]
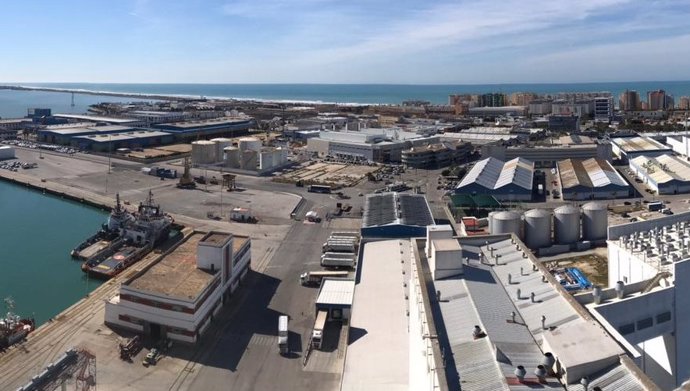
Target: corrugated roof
[
  {"x": 589, "y": 173},
  {"x": 394, "y": 208},
  {"x": 638, "y": 144},
  {"x": 336, "y": 292},
  {"x": 664, "y": 168},
  {"x": 616, "y": 378},
  {"x": 494, "y": 174}
]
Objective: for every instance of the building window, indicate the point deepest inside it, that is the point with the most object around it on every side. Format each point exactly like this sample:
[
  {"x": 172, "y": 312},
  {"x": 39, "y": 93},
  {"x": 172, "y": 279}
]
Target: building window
[
  {"x": 644, "y": 323},
  {"x": 663, "y": 317},
  {"x": 627, "y": 329}
]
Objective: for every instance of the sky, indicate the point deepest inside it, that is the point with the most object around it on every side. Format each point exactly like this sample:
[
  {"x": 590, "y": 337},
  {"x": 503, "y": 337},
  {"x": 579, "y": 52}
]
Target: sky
[{"x": 336, "y": 41}]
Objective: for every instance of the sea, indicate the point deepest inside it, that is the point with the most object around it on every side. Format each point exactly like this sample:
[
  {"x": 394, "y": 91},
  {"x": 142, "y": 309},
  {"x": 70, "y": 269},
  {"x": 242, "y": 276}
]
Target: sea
[
  {"x": 14, "y": 104},
  {"x": 37, "y": 233}
]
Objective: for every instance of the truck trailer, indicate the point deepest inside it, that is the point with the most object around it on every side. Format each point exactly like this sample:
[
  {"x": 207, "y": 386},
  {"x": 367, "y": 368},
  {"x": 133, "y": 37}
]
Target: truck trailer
[
  {"x": 283, "y": 334},
  {"x": 329, "y": 261},
  {"x": 315, "y": 277}
]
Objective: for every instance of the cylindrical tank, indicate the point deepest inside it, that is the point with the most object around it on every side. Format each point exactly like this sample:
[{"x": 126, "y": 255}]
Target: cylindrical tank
[
  {"x": 265, "y": 159},
  {"x": 537, "y": 228},
  {"x": 506, "y": 222},
  {"x": 250, "y": 144},
  {"x": 594, "y": 221},
  {"x": 249, "y": 160},
  {"x": 221, "y": 144},
  {"x": 566, "y": 224},
  {"x": 231, "y": 157},
  {"x": 203, "y": 152}
]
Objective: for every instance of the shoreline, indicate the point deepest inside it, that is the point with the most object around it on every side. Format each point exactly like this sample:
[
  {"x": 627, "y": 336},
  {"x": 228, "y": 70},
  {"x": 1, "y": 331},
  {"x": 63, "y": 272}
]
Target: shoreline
[{"x": 183, "y": 97}]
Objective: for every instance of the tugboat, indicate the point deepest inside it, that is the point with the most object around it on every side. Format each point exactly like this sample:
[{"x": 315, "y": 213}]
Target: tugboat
[
  {"x": 108, "y": 239},
  {"x": 14, "y": 328},
  {"x": 147, "y": 227}
]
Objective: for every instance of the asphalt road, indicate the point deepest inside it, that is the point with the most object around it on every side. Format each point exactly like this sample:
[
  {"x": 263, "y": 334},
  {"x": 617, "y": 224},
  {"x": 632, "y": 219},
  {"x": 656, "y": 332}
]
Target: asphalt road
[{"x": 244, "y": 353}]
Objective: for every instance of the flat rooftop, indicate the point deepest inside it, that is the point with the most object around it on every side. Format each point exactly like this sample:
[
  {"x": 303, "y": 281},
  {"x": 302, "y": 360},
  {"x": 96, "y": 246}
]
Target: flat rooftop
[
  {"x": 96, "y": 118},
  {"x": 379, "y": 359},
  {"x": 639, "y": 144},
  {"x": 176, "y": 274},
  {"x": 206, "y": 122},
  {"x": 105, "y": 138},
  {"x": 216, "y": 239}
]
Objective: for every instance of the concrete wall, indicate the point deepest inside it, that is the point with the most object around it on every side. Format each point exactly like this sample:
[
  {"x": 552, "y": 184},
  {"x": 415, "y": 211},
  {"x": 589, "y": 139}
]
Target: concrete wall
[
  {"x": 681, "y": 273},
  {"x": 616, "y": 231},
  {"x": 626, "y": 267}
]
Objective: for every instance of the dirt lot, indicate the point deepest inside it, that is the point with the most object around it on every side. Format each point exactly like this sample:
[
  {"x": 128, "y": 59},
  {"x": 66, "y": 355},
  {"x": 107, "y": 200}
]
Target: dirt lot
[
  {"x": 335, "y": 174},
  {"x": 593, "y": 265}
]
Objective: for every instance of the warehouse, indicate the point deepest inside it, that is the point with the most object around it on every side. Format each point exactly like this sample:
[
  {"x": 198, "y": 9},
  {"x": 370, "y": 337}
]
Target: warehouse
[
  {"x": 629, "y": 148},
  {"x": 665, "y": 174},
  {"x": 591, "y": 179},
  {"x": 63, "y": 135},
  {"x": 549, "y": 155},
  {"x": 100, "y": 119},
  {"x": 509, "y": 181},
  {"x": 193, "y": 130},
  {"x": 394, "y": 215},
  {"x": 130, "y": 140},
  {"x": 177, "y": 296}
]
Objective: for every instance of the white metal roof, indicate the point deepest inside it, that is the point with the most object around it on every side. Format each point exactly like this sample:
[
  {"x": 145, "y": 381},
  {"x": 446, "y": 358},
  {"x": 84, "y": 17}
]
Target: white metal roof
[
  {"x": 639, "y": 144},
  {"x": 494, "y": 174},
  {"x": 336, "y": 292},
  {"x": 664, "y": 168},
  {"x": 589, "y": 173}
]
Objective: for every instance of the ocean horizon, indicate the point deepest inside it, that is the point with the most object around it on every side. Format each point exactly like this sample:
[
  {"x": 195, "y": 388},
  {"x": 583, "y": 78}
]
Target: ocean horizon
[{"x": 15, "y": 103}]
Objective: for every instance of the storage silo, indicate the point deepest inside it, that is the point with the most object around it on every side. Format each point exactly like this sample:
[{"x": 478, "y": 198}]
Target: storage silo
[
  {"x": 506, "y": 222},
  {"x": 248, "y": 160},
  {"x": 265, "y": 159},
  {"x": 595, "y": 220},
  {"x": 231, "y": 157},
  {"x": 537, "y": 228},
  {"x": 566, "y": 224},
  {"x": 250, "y": 144},
  {"x": 221, "y": 144},
  {"x": 203, "y": 152}
]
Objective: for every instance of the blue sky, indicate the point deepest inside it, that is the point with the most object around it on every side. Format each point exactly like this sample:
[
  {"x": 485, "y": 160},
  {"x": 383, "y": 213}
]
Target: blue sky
[{"x": 336, "y": 41}]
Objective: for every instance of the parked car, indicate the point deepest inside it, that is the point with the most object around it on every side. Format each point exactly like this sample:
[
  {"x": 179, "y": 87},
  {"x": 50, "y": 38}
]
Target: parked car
[{"x": 151, "y": 358}]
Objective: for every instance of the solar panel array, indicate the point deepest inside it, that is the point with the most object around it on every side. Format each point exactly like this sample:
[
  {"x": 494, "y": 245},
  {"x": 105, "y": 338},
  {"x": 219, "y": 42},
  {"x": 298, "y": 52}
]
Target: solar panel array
[{"x": 393, "y": 208}]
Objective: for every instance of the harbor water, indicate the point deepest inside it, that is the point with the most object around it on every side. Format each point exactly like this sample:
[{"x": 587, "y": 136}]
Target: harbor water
[{"x": 37, "y": 233}]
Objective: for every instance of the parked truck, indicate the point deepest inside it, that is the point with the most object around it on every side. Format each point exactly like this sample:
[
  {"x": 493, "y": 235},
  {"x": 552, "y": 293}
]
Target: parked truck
[
  {"x": 339, "y": 260},
  {"x": 346, "y": 234},
  {"x": 283, "y": 334},
  {"x": 315, "y": 278},
  {"x": 339, "y": 246},
  {"x": 317, "y": 333}
]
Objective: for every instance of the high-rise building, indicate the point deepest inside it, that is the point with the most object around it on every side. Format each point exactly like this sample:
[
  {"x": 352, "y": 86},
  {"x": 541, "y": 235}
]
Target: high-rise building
[
  {"x": 684, "y": 103},
  {"x": 522, "y": 98},
  {"x": 603, "y": 108},
  {"x": 656, "y": 100},
  {"x": 669, "y": 102},
  {"x": 492, "y": 100},
  {"x": 630, "y": 101}
]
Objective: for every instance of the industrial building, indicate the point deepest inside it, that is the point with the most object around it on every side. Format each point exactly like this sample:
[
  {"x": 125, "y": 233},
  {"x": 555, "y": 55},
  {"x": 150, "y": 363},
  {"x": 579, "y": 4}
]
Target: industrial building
[
  {"x": 564, "y": 123},
  {"x": 499, "y": 111},
  {"x": 177, "y": 296},
  {"x": 156, "y": 117},
  {"x": 437, "y": 155},
  {"x": 665, "y": 174},
  {"x": 64, "y": 134},
  {"x": 501, "y": 321},
  {"x": 479, "y": 137},
  {"x": 215, "y": 127},
  {"x": 376, "y": 145},
  {"x": 645, "y": 305},
  {"x": 549, "y": 155},
  {"x": 130, "y": 140},
  {"x": 335, "y": 297},
  {"x": 395, "y": 215},
  {"x": 505, "y": 181},
  {"x": 680, "y": 144},
  {"x": 591, "y": 179},
  {"x": 101, "y": 120},
  {"x": 629, "y": 148}
]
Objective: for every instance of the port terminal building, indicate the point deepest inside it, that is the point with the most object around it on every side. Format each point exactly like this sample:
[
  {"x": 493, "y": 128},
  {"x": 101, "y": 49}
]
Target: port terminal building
[
  {"x": 665, "y": 174},
  {"x": 186, "y": 131},
  {"x": 486, "y": 315},
  {"x": 178, "y": 295},
  {"x": 130, "y": 140},
  {"x": 591, "y": 179},
  {"x": 64, "y": 134},
  {"x": 505, "y": 181}
]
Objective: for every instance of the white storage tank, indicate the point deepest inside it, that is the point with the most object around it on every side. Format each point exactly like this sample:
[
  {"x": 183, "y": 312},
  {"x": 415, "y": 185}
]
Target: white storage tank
[
  {"x": 265, "y": 159},
  {"x": 6, "y": 152},
  {"x": 566, "y": 224},
  {"x": 278, "y": 157},
  {"x": 537, "y": 228},
  {"x": 248, "y": 160},
  {"x": 506, "y": 222},
  {"x": 595, "y": 219},
  {"x": 231, "y": 157},
  {"x": 250, "y": 144},
  {"x": 203, "y": 152},
  {"x": 221, "y": 144}
]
